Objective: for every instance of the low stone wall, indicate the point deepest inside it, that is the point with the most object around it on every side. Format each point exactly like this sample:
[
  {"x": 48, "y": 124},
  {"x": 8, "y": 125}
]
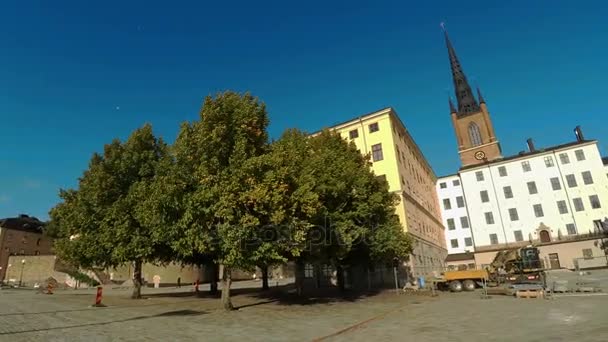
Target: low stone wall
[{"x": 32, "y": 269}]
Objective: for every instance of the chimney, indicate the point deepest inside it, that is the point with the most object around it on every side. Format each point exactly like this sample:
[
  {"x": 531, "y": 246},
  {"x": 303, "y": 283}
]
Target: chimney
[
  {"x": 579, "y": 133},
  {"x": 530, "y": 145}
]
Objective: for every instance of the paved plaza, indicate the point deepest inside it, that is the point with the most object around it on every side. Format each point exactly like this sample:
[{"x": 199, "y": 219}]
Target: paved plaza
[{"x": 170, "y": 314}]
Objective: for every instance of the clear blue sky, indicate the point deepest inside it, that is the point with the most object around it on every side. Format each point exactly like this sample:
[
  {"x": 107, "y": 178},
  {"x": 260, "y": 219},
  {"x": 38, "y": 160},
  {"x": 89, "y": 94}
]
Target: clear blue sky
[{"x": 74, "y": 75}]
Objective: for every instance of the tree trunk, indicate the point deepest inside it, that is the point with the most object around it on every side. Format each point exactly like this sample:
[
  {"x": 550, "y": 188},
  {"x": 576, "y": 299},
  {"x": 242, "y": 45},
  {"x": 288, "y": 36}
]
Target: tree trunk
[
  {"x": 340, "y": 277},
  {"x": 299, "y": 277},
  {"x": 264, "y": 277},
  {"x": 226, "y": 282},
  {"x": 212, "y": 272},
  {"x": 136, "y": 281}
]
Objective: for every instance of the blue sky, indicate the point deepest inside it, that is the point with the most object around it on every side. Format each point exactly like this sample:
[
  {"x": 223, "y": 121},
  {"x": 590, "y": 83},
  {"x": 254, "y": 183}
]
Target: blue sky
[{"x": 74, "y": 75}]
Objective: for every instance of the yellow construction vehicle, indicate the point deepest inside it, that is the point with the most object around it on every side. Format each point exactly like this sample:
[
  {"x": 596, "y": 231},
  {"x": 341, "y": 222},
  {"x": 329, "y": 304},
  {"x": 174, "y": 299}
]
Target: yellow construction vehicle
[{"x": 511, "y": 266}]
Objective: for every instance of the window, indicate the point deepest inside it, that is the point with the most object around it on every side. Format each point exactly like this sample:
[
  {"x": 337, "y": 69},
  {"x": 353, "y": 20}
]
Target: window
[
  {"x": 468, "y": 242},
  {"x": 595, "y": 202},
  {"x": 587, "y": 178},
  {"x": 513, "y": 215},
  {"x": 508, "y": 192},
  {"x": 309, "y": 271},
  {"x": 502, "y": 171},
  {"x": 479, "y": 176},
  {"x": 571, "y": 229},
  {"x": 532, "y": 188},
  {"x": 456, "y": 182},
  {"x": 555, "y": 184},
  {"x": 377, "y": 152},
  {"x": 518, "y": 235},
  {"x": 587, "y": 253},
  {"x": 562, "y": 207},
  {"x": 538, "y": 210},
  {"x": 549, "y": 161},
  {"x": 443, "y": 185},
  {"x": 353, "y": 134},
  {"x": 578, "y": 204},
  {"x": 484, "y": 196},
  {"x": 571, "y": 180},
  {"x": 446, "y": 204},
  {"x": 474, "y": 134},
  {"x": 374, "y": 127},
  {"x": 564, "y": 158},
  {"x": 327, "y": 271},
  {"x": 464, "y": 222},
  {"x": 454, "y": 243},
  {"x": 489, "y": 217},
  {"x": 580, "y": 155},
  {"x": 597, "y": 225},
  {"x": 451, "y": 225},
  {"x": 525, "y": 165},
  {"x": 460, "y": 202},
  {"x": 493, "y": 239}
]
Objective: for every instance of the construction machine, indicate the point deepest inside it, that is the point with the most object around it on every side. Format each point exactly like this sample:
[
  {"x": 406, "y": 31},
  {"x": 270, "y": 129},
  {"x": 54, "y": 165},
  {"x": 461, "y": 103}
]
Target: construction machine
[{"x": 511, "y": 266}]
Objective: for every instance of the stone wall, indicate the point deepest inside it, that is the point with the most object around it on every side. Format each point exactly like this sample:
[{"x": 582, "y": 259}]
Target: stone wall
[{"x": 35, "y": 269}]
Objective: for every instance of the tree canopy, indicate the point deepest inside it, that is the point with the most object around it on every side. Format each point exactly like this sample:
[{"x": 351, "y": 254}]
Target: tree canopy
[{"x": 223, "y": 194}]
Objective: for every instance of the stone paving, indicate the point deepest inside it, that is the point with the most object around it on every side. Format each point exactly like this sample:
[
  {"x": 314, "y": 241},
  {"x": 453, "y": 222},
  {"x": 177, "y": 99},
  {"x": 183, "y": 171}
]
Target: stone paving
[{"x": 176, "y": 315}]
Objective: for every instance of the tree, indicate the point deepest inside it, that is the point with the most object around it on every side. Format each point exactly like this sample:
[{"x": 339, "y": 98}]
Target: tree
[
  {"x": 103, "y": 223},
  {"x": 280, "y": 202},
  {"x": 356, "y": 220},
  {"x": 206, "y": 206}
]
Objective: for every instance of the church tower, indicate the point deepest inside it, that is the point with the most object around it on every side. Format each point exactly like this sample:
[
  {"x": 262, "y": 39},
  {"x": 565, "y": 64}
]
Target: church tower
[{"x": 477, "y": 142}]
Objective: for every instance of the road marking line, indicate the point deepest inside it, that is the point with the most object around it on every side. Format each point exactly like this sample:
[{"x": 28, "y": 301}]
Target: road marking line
[{"x": 358, "y": 325}]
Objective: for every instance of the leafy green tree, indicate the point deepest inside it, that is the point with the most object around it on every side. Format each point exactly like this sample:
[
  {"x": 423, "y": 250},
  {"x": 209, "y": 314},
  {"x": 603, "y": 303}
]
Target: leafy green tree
[
  {"x": 202, "y": 199},
  {"x": 356, "y": 221},
  {"x": 280, "y": 202},
  {"x": 103, "y": 223}
]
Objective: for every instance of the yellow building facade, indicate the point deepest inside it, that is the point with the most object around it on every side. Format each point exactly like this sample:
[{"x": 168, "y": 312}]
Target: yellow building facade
[{"x": 396, "y": 157}]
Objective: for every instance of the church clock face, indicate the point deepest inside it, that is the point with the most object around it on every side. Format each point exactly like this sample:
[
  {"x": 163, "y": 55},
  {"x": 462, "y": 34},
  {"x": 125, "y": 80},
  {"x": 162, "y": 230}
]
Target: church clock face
[{"x": 479, "y": 155}]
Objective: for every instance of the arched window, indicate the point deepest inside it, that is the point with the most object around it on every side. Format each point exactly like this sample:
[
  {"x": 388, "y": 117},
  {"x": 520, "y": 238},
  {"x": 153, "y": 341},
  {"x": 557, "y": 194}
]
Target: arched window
[
  {"x": 545, "y": 236},
  {"x": 474, "y": 134}
]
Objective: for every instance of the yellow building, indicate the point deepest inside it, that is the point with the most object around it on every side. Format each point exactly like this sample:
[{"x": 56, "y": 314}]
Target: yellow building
[{"x": 396, "y": 158}]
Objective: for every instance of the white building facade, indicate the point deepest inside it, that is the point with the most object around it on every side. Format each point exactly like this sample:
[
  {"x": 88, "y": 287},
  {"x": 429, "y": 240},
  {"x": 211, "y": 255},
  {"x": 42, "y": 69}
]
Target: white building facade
[
  {"x": 454, "y": 214},
  {"x": 538, "y": 196}
]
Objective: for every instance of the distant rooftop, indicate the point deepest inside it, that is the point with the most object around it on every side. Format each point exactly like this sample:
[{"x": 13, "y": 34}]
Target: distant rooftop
[
  {"x": 527, "y": 154},
  {"x": 23, "y": 223}
]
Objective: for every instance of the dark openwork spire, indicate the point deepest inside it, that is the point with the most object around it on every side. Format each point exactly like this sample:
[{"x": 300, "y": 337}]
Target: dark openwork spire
[
  {"x": 452, "y": 108},
  {"x": 480, "y": 97},
  {"x": 464, "y": 95}
]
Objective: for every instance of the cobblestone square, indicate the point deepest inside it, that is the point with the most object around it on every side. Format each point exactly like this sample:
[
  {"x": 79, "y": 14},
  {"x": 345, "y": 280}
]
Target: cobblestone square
[{"x": 170, "y": 314}]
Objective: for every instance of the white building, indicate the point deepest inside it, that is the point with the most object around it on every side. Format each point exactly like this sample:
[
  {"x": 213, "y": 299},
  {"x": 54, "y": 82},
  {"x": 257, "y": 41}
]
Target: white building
[
  {"x": 554, "y": 198},
  {"x": 540, "y": 195},
  {"x": 454, "y": 215}
]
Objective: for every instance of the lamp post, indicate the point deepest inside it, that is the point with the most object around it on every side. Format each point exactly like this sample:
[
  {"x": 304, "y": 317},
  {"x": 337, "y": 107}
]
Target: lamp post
[{"x": 21, "y": 276}]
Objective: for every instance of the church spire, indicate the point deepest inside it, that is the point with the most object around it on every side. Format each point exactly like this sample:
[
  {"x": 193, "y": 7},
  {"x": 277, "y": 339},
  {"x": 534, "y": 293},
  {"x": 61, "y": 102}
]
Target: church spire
[
  {"x": 452, "y": 108},
  {"x": 464, "y": 95},
  {"x": 480, "y": 97}
]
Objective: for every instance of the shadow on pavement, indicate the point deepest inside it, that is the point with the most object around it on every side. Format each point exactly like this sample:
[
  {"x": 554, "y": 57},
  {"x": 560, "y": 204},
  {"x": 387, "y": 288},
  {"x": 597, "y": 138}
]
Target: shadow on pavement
[{"x": 163, "y": 314}]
